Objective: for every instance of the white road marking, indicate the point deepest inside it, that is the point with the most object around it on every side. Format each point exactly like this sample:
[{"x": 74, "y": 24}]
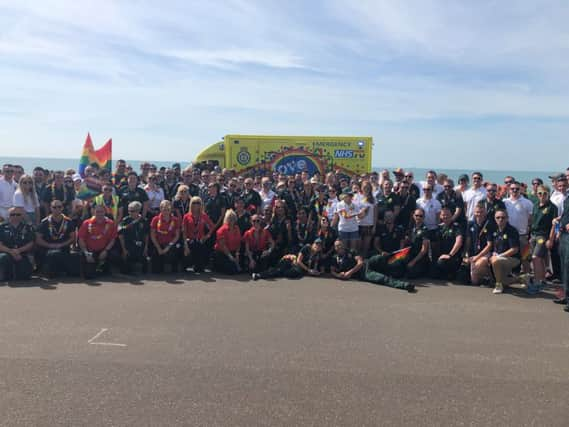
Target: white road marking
[{"x": 101, "y": 332}]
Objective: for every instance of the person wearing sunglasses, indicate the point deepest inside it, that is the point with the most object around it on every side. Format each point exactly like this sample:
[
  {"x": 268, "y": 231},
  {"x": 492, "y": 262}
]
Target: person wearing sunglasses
[
  {"x": 228, "y": 245},
  {"x": 58, "y": 190},
  {"x": 479, "y": 245},
  {"x": 16, "y": 243},
  {"x": 449, "y": 258},
  {"x": 419, "y": 241},
  {"x": 197, "y": 230},
  {"x": 520, "y": 217},
  {"x": 54, "y": 238},
  {"x": 26, "y": 197},
  {"x": 544, "y": 212},
  {"x": 452, "y": 199},
  {"x": 133, "y": 193},
  {"x": 165, "y": 237},
  {"x": 111, "y": 203},
  {"x": 473, "y": 195},
  {"x": 259, "y": 246},
  {"x": 491, "y": 202},
  {"x": 8, "y": 188},
  {"x": 505, "y": 251}
]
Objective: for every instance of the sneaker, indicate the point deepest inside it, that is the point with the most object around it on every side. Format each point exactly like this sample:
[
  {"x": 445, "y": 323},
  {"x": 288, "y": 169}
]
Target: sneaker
[
  {"x": 255, "y": 276},
  {"x": 532, "y": 288},
  {"x": 498, "y": 289},
  {"x": 410, "y": 287}
]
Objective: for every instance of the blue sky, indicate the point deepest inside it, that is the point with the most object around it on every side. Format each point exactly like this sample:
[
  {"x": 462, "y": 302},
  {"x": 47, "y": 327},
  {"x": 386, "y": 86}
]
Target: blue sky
[{"x": 436, "y": 83}]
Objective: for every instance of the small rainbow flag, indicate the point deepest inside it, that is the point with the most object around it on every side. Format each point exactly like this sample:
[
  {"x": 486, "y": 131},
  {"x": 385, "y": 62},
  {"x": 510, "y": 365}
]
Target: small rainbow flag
[
  {"x": 103, "y": 156},
  {"x": 526, "y": 253},
  {"x": 398, "y": 256}
]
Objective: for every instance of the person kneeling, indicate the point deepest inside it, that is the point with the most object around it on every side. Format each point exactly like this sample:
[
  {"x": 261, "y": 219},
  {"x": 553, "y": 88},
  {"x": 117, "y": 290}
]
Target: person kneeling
[
  {"x": 449, "y": 236},
  {"x": 16, "y": 241},
  {"x": 97, "y": 237},
  {"x": 506, "y": 247},
  {"x": 54, "y": 237},
  {"x": 165, "y": 237},
  {"x": 227, "y": 245},
  {"x": 347, "y": 265},
  {"x": 259, "y": 246},
  {"x": 133, "y": 238}
]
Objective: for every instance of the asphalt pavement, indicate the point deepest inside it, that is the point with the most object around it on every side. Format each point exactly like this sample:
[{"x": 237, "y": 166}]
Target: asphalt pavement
[{"x": 211, "y": 351}]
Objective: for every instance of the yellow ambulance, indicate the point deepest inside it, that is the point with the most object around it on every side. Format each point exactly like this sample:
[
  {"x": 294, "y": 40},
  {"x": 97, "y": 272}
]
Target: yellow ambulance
[{"x": 290, "y": 154}]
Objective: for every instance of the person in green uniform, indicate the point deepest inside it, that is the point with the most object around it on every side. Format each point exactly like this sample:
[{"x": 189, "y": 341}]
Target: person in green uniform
[
  {"x": 479, "y": 245},
  {"x": 542, "y": 218},
  {"x": 133, "y": 233},
  {"x": 506, "y": 251},
  {"x": 447, "y": 262},
  {"x": 54, "y": 238},
  {"x": 389, "y": 238},
  {"x": 346, "y": 265},
  {"x": 16, "y": 242},
  {"x": 491, "y": 203},
  {"x": 419, "y": 241}
]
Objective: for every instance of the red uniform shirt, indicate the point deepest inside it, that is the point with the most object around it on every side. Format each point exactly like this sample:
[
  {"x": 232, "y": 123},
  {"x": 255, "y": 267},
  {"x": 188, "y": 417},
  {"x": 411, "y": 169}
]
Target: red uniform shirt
[
  {"x": 232, "y": 238},
  {"x": 259, "y": 242},
  {"x": 97, "y": 235},
  {"x": 165, "y": 230},
  {"x": 194, "y": 226}
]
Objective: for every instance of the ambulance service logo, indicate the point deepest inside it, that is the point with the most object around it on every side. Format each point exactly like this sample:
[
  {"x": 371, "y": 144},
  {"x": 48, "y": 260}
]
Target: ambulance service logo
[{"x": 243, "y": 157}]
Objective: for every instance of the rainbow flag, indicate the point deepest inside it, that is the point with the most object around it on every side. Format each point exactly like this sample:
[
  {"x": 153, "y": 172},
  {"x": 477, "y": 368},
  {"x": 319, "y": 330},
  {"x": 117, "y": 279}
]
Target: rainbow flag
[
  {"x": 103, "y": 156},
  {"x": 526, "y": 253},
  {"x": 399, "y": 256},
  {"x": 90, "y": 187}
]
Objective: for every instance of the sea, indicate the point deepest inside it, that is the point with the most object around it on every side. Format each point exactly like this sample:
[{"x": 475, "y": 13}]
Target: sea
[{"x": 496, "y": 176}]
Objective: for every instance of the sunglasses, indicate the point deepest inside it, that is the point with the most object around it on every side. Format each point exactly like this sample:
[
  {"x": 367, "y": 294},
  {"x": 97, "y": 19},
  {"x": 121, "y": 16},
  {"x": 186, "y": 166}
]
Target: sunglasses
[
  {"x": 490, "y": 191},
  {"x": 427, "y": 189},
  {"x": 541, "y": 193},
  {"x": 448, "y": 186},
  {"x": 15, "y": 214},
  {"x": 418, "y": 216},
  {"x": 476, "y": 178},
  {"x": 500, "y": 217},
  {"x": 255, "y": 221},
  {"x": 514, "y": 189},
  {"x": 57, "y": 207},
  {"x": 535, "y": 183},
  {"x": 508, "y": 182},
  {"x": 196, "y": 203}
]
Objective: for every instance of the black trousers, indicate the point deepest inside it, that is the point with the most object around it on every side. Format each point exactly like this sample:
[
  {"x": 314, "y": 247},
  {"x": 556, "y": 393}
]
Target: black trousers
[
  {"x": 99, "y": 267},
  {"x": 57, "y": 261},
  {"x": 171, "y": 258},
  {"x": 420, "y": 269},
  {"x": 199, "y": 255},
  {"x": 10, "y": 269},
  {"x": 261, "y": 262},
  {"x": 284, "y": 268},
  {"x": 224, "y": 265},
  {"x": 135, "y": 257},
  {"x": 445, "y": 268}
]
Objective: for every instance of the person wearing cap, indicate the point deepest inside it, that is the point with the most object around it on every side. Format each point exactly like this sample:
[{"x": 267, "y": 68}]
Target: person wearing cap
[
  {"x": 16, "y": 242},
  {"x": 399, "y": 174},
  {"x": 346, "y": 218}
]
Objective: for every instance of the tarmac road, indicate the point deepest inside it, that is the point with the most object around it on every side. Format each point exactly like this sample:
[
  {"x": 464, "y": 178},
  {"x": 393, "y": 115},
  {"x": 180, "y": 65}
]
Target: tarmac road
[{"x": 312, "y": 352}]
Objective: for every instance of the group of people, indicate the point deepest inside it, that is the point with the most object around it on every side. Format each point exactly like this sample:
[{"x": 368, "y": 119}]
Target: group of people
[{"x": 383, "y": 228}]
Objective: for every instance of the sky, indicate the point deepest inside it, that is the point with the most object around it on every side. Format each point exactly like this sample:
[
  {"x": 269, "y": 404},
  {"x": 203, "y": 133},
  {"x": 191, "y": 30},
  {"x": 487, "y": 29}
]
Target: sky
[{"x": 442, "y": 84}]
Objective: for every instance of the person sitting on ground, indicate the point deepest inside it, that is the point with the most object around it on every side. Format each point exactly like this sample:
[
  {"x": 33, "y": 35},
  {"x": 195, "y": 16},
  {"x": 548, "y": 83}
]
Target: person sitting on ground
[
  {"x": 389, "y": 238},
  {"x": 328, "y": 236},
  {"x": 97, "y": 237},
  {"x": 133, "y": 237},
  {"x": 165, "y": 237},
  {"x": 54, "y": 238},
  {"x": 506, "y": 251},
  {"x": 478, "y": 245},
  {"x": 259, "y": 246},
  {"x": 197, "y": 230},
  {"x": 419, "y": 241},
  {"x": 16, "y": 242},
  {"x": 227, "y": 245},
  {"x": 310, "y": 258},
  {"x": 348, "y": 265},
  {"x": 447, "y": 262}
]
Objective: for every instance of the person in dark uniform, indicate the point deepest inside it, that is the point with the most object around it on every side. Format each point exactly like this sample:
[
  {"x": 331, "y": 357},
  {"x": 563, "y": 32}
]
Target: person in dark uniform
[
  {"x": 388, "y": 201},
  {"x": 506, "y": 250},
  {"x": 16, "y": 242},
  {"x": 133, "y": 233},
  {"x": 419, "y": 241},
  {"x": 389, "y": 238},
  {"x": 564, "y": 251},
  {"x": 133, "y": 193},
  {"x": 57, "y": 190},
  {"x": 328, "y": 235},
  {"x": 491, "y": 203},
  {"x": 451, "y": 199},
  {"x": 544, "y": 212},
  {"x": 346, "y": 265},
  {"x": 408, "y": 204},
  {"x": 215, "y": 205},
  {"x": 478, "y": 245},
  {"x": 447, "y": 262},
  {"x": 54, "y": 238},
  {"x": 251, "y": 198},
  {"x": 304, "y": 228},
  {"x": 243, "y": 215},
  {"x": 310, "y": 258},
  {"x": 285, "y": 267},
  {"x": 281, "y": 228}
]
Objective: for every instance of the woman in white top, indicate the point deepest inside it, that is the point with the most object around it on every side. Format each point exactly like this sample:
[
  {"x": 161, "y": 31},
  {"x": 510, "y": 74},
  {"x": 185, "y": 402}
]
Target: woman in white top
[
  {"x": 26, "y": 197},
  {"x": 368, "y": 220},
  {"x": 346, "y": 216},
  {"x": 267, "y": 195},
  {"x": 155, "y": 195}
]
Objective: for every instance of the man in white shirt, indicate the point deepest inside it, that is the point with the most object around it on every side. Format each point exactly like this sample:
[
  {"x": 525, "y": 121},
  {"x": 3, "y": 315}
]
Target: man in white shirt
[
  {"x": 473, "y": 195},
  {"x": 559, "y": 194},
  {"x": 431, "y": 206},
  {"x": 519, "y": 212},
  {"x": 431, "y": 180},
  {"x": 7, "y": 189}
]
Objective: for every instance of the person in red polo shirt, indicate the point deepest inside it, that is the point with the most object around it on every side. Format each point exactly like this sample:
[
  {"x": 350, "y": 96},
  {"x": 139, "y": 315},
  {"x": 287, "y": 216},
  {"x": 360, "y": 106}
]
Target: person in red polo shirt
[
  {"x": 259, "y": 246},
  {"x": 197, "y": 229},
  {"x": 227, "y": 245},
  {"x": 97, "y": 237},
  {"x": 165, "y": 236}
]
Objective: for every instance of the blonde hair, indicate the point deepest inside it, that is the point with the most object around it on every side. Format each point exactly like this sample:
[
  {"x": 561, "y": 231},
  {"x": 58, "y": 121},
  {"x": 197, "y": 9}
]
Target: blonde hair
[
  {"x": 32, "y": 195},
  {"x": 178, "y": 195},
  {"x": 198, "y": 200},
  {"x": 230, "y": 216}
]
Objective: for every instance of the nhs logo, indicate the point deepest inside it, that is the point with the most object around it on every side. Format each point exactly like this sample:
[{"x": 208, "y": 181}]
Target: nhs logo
[{"x": 344, "y": 154}]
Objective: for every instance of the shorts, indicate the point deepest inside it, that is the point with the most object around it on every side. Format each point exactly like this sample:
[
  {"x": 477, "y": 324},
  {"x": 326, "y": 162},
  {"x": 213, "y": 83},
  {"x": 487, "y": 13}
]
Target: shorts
[
  {"x": 538, "y": 248},
  {"x": 366, "y": 231},
  {"x": 349, "y": 235}
]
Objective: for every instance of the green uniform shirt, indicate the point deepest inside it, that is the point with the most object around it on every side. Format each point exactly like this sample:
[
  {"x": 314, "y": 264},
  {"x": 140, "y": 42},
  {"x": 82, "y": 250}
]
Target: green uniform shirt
[
  {"x": 543, "y": 218},
  {"x": 17, "y": 237}
]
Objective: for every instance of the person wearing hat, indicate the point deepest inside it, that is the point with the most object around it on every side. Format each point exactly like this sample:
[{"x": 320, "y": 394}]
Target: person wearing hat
[
  {"x": 346, "y": 217},
  {"x": 399, "y": 174},
  {"x": 308, "y": 261}
]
